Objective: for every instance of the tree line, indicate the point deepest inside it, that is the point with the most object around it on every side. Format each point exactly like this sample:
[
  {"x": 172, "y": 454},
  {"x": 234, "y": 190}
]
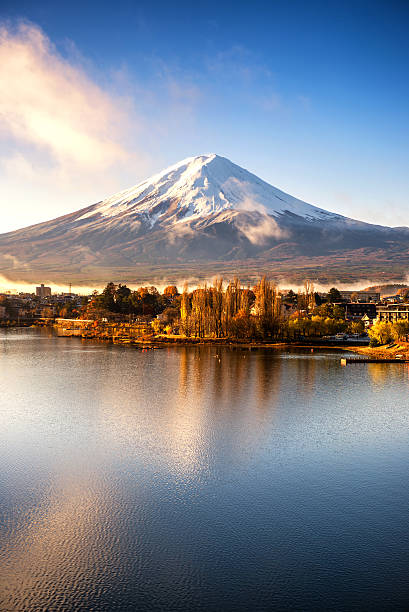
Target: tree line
[
  {"x": 119, "y": 299},
  {"x": 227, "y": 310}
]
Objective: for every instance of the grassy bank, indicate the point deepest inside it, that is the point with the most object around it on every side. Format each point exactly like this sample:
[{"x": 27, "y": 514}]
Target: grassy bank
[
  {"x": 387, "y": 351},
  {"x": 142, "y": 335}
]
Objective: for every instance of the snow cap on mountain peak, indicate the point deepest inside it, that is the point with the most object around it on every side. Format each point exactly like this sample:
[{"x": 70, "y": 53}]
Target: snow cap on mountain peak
[{"x": 201, "y": 186}]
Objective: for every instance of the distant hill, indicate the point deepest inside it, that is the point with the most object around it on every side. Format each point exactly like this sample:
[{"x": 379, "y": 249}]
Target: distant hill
[{"x": 395, "y": 289}]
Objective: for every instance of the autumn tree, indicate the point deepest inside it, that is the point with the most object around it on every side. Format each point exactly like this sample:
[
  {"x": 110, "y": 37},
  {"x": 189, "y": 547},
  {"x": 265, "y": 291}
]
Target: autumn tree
[
  {"x": 356, "y": 327},
  {"x": 185, "y": 311},
  {"x": 400, "y": 329},
  {"x": 267, "y": 307},
  {"x": 217, "y": 310},
  {"x": 170, "y": 293},
  {"x": 381, "y": 332}
]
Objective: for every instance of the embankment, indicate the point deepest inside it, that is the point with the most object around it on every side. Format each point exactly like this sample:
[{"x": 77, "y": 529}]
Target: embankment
[{"x": 387, "y": 351}]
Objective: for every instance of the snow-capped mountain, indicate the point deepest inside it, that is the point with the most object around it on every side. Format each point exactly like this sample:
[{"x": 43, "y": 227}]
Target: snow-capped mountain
[
  {"x": 202, "y": 186},
  {"x": 201, "y": 210}
]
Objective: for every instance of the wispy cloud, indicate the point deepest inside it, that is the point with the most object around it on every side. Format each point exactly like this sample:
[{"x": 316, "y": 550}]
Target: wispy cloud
[
  {"x": 70, "y": 135},
  {"x": 259, "y": 227},
  {"x": 66, "y": 141},
  {"x": 49, "y": 103}
]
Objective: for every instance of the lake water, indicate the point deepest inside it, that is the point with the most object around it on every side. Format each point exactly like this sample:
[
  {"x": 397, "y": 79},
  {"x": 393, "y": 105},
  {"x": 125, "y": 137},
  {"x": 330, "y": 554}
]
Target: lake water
[{"x": 200, "y": 478}]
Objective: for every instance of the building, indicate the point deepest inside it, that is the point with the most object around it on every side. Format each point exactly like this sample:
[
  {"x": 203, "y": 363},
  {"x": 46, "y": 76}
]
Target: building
[
  {"x": 393, "y": 299},
  {"x": 43, "y": 292},
  {"x": 2, "y": 312},
  {"x": 393, "y": 312},
  {"x": 367, "y": 321},
  {"x": 355, "y": 311},
  {"x": 364, "y": 296}
]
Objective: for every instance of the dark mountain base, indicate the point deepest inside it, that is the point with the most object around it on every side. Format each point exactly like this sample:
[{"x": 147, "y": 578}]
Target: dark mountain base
[{"x": 363, "y": 265}]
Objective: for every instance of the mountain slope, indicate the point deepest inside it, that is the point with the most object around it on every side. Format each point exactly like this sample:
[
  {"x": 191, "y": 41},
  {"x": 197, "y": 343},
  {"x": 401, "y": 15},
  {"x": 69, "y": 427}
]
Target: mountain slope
[{"x": 203, "y": 209}]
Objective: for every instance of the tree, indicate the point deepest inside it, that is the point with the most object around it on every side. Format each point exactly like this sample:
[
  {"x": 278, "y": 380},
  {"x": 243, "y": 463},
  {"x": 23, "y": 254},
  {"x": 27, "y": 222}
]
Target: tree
[
  {"x": 107, "y": 298},
  {"x": 241, "y": 325},
  {"x": 171, "y": 314},
  {"x": 325, "y": 310},
  {"x": 185, "y": 311},
  {"x": 381, "y": 332},
  {"x": 156, "y": 326},
  {"x": 170, "y": 293},
  {"x": 149, "y": 301},
  {"x": 267, "y": 308},
  {"x": 357, "y": 327},
  {"x": 334, "y": 295},
  {"x": 217, "y": 302},
  {"x": 400, "y": 329},
  {"x": 338, "y": 312},
  {"x": 317, "y": 299},
  {"x": 121, "y": 298},
  {"x": 199, "y": 311},
  {"x": 291, "y": 297},
  {"x": 309, "y": 294}
]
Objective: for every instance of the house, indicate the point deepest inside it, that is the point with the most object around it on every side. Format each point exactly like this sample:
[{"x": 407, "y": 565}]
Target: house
[{"x": 367, "y": 321}]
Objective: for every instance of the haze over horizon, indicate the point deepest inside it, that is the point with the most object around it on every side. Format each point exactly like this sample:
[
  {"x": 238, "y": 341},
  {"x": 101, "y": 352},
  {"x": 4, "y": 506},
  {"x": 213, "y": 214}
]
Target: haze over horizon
[{"x": 96, "y": 99}]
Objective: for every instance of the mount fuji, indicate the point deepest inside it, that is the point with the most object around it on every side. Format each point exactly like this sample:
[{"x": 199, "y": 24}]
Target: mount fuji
[{"x": 202, "y": 216}]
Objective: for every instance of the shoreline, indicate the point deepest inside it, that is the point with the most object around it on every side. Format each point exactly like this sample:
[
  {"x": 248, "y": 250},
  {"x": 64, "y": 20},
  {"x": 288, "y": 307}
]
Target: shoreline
[
  {"x": 168, "y": 341},
  {"x": 156, "y": 342},
  {"x": 382, "y": 352},
  {"x": 387, "y": 351}
]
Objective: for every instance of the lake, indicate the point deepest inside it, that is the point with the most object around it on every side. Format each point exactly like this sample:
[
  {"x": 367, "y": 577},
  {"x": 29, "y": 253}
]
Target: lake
[{"x": 200, "y": 478}]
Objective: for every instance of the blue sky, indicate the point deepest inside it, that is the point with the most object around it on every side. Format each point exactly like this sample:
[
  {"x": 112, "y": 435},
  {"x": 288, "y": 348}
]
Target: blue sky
[{"x": 311, "y": 96}]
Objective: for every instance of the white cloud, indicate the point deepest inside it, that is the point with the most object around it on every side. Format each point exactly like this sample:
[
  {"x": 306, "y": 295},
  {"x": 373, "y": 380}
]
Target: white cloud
[
  {"x": 259, "y": 227},
  {"x": 66, "y": 142},
  {"x": 49, "y": 103},
  {"x": 260, "y": 230}
]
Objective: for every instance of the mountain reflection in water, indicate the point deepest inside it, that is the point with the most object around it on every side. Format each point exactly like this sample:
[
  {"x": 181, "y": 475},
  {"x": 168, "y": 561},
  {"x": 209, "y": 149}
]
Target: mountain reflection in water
[{"x": 199, "y": 478}]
